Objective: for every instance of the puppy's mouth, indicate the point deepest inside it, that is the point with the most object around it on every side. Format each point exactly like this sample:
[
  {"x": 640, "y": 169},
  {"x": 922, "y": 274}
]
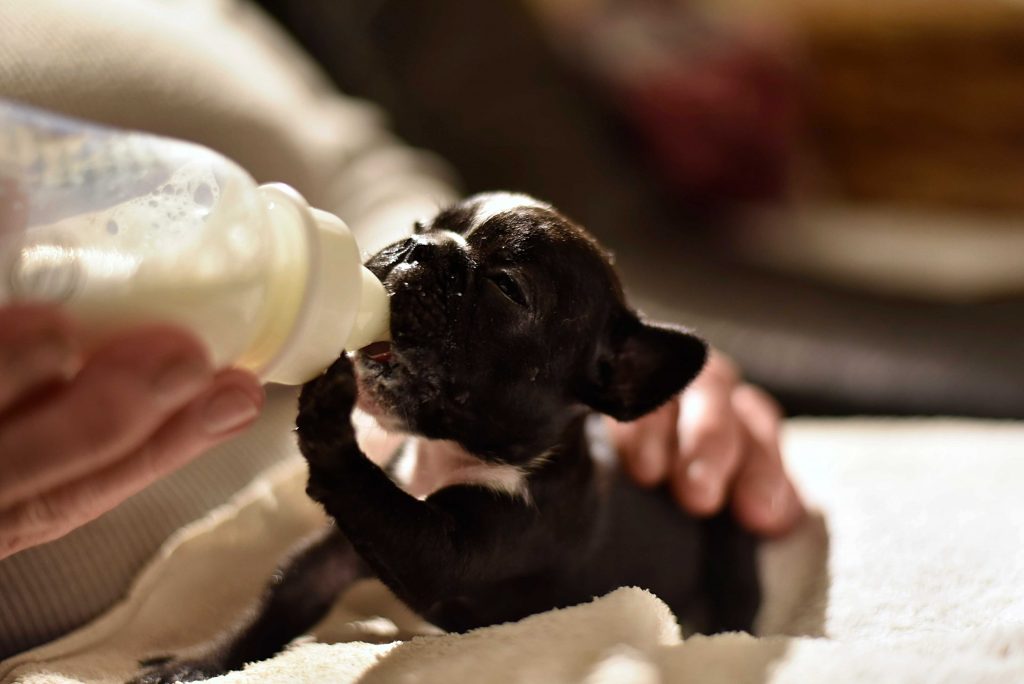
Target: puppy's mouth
[
  {"x": 398, "y": 377},
  {"x": 380, "y": 376},
  {"x": 377, "y": 364},
  {"x": 379, "y": 352}
]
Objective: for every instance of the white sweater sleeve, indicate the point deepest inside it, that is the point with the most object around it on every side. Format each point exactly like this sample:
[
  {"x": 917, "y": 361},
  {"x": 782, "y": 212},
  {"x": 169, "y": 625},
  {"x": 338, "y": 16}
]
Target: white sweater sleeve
[{"x": 216, "y": 72}]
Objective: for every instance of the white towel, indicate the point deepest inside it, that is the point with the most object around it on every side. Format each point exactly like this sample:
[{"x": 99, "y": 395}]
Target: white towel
[{"x": 912, "y": 570}]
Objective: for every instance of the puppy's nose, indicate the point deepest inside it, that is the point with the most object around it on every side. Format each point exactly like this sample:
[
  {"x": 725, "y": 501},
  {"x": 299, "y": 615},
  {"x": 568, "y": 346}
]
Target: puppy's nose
[{"x": 423, "y": 245}]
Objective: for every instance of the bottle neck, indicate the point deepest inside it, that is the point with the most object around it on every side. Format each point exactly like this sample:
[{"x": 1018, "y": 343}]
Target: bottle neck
[{"x": 330, "y": 301}]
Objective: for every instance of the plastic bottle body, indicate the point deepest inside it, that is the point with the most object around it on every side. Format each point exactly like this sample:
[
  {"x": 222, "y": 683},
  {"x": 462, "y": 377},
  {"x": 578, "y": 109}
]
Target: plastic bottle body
[{"x": 124, "y": 228}]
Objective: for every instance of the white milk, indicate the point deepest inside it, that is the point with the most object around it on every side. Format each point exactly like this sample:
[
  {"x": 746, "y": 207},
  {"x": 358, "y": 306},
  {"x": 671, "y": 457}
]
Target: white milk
[{"x": 124, "y": 228}]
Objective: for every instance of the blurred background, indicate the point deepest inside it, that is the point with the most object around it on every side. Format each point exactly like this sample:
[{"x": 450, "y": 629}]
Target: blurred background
[{"x": 831, "y": 191}]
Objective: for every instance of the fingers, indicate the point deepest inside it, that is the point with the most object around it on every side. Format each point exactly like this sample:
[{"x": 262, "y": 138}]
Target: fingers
[
  {"x": 225, "y": 408},
  {"x": 80, "y": 432},
  {"x": 648, "y": 446},
  {"x": 124, "y": 392},
  {"x": 710, "y": 453},
  {"x": 38, "y": 346},
  {"x": 699, "y": 468},
  {"x": 719, "y": 443},
  {"x": 764, "y": 500},
  {"x": 711, "y": 444}
]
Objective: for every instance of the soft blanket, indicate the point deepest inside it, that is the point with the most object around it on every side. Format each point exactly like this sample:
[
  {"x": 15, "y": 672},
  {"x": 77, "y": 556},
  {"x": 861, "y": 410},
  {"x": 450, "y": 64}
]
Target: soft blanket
[{"x": 910, "y": 570}]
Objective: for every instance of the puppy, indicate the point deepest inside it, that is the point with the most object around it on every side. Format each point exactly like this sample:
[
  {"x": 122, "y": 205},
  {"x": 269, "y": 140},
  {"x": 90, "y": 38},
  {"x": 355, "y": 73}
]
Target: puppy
[{"x": 509, "y": 330}]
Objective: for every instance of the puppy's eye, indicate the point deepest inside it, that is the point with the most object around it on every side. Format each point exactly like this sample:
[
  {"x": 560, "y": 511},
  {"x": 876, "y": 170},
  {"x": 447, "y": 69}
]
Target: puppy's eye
[
  {"x": 418, "y": 228},
  {"x": 509, "y": 286}
]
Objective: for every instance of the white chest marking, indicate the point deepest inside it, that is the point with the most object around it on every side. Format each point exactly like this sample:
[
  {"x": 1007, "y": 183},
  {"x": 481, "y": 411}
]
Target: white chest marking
[{"x": 426, "y": 466}]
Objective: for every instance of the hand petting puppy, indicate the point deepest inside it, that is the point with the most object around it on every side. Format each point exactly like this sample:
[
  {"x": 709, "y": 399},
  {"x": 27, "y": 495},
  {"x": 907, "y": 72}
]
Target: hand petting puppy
[{"x": 716, "y": 444}]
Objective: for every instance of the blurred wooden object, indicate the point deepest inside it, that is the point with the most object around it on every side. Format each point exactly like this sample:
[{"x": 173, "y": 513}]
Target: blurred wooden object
[
  {"x": 498, "y": 104},
  {"x": 916, "y": 101}
]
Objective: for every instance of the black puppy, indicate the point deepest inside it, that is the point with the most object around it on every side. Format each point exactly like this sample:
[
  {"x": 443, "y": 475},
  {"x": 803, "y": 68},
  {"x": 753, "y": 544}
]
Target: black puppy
[{"x": 509, "y": 329}]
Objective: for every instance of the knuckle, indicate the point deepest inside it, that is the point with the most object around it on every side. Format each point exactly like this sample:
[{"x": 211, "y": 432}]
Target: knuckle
[
  {"x": 720, "y": 452},
  {"x": 713, "y": 435},
  {"x": 11, "y": 543},
  {"x": 50, "y": 515},
  {"x": 79, "y": 502},
  {"x": 37, "y": 513}
]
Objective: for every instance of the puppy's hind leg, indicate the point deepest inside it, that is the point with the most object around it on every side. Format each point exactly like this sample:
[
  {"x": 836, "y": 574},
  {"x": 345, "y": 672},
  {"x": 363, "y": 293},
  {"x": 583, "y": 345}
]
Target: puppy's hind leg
[
  {"x": 730, "y": 574},
  {"x": 297, "y": 597}
]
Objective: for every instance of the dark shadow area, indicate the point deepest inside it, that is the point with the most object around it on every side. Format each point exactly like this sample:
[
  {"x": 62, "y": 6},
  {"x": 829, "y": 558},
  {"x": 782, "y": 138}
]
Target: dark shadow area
[
  {"x": 796, "y": 584},
  {"x": 479, "y": 84}
]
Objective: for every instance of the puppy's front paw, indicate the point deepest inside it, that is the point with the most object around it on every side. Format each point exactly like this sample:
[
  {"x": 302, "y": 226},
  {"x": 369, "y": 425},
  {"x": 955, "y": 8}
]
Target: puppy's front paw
[
  {"x": 326, "y": 435},
  {"x": 326, "y": 401},
  {"x": 169, "y": 670}
]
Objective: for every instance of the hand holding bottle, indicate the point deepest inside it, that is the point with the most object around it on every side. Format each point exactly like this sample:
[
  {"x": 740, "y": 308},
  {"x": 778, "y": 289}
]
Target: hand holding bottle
[
  {"x": 161, "y": 262},
  {"x": 124, "y": 228},
  {"x": 83, "y": 428}
]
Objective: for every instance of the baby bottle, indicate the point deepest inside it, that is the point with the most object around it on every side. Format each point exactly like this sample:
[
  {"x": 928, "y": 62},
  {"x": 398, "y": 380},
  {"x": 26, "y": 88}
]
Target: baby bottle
[{"x": 125, "y": 228}]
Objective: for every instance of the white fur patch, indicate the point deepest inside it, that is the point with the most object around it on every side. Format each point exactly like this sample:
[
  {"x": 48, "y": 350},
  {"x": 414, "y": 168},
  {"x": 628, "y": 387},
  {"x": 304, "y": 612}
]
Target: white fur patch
[
  {"x": 426, "y": 466},
  {"x": 494, "y": 203},
  {"x": 456, "y": 238}
]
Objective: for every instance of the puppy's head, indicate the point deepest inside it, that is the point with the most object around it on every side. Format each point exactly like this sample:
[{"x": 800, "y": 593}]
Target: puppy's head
[{"x": 506, "y": 321}]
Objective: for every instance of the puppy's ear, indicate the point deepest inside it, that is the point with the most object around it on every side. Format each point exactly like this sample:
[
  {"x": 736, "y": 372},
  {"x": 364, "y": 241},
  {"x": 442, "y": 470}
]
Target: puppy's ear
[{"x": 640, "y": 366}]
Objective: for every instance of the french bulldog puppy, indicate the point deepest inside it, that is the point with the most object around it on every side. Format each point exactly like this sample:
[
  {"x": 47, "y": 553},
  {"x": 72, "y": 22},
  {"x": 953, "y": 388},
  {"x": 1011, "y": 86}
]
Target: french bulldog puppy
[{"x": 509, "y": 332}]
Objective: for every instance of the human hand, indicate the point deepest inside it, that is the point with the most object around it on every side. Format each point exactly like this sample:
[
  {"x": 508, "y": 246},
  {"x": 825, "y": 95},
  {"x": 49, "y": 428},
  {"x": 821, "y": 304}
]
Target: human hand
[
  {"x": 716, "y": 443},
  {"x": 82, "y": 429}
]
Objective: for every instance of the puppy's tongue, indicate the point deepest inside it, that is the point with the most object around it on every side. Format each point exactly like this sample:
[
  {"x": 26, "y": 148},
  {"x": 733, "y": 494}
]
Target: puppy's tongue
[{"x": 378, "y": 351}]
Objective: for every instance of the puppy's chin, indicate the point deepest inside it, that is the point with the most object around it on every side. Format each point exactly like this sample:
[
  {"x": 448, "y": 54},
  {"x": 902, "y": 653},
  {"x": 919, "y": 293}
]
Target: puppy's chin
[{"x": 373, "y": 377}]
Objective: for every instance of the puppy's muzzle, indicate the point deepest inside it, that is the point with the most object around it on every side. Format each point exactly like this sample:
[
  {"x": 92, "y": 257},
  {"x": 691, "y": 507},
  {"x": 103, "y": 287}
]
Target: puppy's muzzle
[
  {"x": 427, "y": 282},
  {"x": 443, "y": 253},
  {"x": 424, "y": 244},
  {"x": 427, "y": 247}
]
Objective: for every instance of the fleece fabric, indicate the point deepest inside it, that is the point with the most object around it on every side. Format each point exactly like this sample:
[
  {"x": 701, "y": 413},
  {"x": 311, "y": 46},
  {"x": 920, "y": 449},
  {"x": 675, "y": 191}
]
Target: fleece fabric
[{"x": 910, "y": 569}]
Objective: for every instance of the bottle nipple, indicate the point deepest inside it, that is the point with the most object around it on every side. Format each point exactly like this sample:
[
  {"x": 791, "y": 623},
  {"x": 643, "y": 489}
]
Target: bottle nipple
[
  {"x": 345, "y": 307},
  {"x": 372, "y": 323}
]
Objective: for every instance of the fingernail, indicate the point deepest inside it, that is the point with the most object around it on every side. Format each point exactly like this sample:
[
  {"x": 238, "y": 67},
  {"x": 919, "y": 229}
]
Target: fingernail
[
  {"x": 181, "y": 379},
  {"x": 229, "y": 409}
]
